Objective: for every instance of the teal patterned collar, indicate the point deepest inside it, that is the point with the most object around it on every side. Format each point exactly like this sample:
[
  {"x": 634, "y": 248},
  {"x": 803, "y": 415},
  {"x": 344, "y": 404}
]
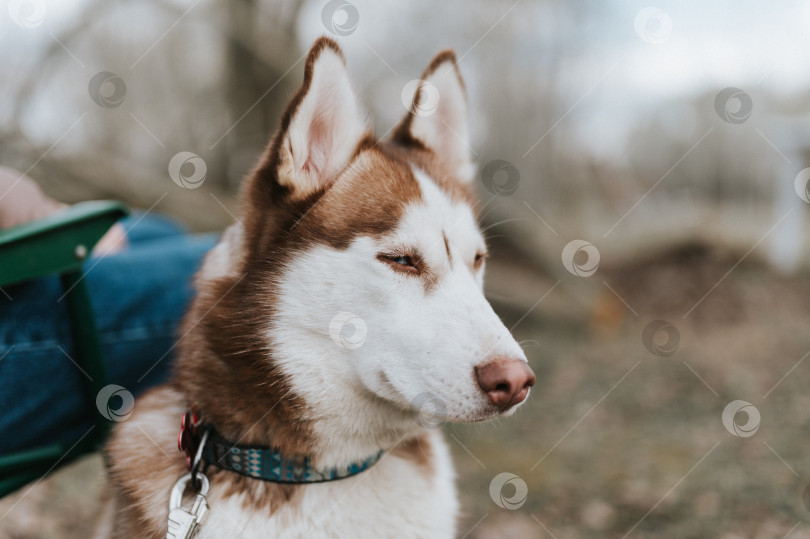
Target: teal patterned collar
[{"x": 269, "y": 464}]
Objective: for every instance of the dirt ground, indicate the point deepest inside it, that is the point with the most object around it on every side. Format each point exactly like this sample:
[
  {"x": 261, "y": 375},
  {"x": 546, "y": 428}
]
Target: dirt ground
[{"x": 615, "y": 440}]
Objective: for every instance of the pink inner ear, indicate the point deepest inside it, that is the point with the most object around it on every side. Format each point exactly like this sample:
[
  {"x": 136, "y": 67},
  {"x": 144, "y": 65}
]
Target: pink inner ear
[{"x": 320, "y": 143}]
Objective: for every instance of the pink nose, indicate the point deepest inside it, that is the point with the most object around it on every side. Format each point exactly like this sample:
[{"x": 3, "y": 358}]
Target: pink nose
[{"x": 506, "y": 381}]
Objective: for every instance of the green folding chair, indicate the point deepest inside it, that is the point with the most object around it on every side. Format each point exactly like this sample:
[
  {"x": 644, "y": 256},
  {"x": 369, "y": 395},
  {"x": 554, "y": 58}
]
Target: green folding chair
[{"x": 59, "y": 245}]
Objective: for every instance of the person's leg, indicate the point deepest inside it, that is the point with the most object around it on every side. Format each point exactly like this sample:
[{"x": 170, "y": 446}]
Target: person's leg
[
  {"x": 139, "y": 297},
  {"x": 142, "y": 227}
]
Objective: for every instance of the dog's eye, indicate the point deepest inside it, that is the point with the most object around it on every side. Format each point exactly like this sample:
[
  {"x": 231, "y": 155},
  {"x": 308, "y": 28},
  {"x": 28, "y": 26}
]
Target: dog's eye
[
  {"x": 400, "y": 262},
  {"x": 479, "y": 259},
  {"x": 403, "y": 260}
]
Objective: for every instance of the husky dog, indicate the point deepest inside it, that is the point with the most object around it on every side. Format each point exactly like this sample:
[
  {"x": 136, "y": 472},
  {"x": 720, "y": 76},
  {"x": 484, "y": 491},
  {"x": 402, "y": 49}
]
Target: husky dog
[{"x": 346, "y": 302}]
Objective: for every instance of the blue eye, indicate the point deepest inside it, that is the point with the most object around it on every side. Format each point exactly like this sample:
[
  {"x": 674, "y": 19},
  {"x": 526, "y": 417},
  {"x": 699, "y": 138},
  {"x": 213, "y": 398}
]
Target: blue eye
[{"x": 400, "y": 262}]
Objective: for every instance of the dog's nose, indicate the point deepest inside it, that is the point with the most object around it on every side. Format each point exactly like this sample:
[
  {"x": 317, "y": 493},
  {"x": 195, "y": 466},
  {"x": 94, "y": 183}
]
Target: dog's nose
[{"x": 506, "y": 381}]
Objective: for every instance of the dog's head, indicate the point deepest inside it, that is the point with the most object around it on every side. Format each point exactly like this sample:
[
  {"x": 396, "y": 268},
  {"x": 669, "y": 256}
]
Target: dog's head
[{"x": 364, "y": 258}]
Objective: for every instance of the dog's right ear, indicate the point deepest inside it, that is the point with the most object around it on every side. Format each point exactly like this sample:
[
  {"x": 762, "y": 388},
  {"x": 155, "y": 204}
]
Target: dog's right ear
[
  {"x": 437, "y": 118},
  {"x": 321, "y": 128}
]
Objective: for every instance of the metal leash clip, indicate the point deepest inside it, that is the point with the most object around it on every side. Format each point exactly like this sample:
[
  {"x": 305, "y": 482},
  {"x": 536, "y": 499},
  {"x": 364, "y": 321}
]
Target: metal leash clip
[{"x": 185, "y": 523}]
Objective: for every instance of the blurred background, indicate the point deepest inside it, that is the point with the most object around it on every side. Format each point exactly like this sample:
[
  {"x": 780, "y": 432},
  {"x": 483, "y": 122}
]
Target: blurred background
[{"x": 643, "y": 188}]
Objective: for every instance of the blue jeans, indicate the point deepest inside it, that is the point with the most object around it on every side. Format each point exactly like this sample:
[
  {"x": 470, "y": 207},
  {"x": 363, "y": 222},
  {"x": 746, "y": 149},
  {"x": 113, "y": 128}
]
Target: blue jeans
[{"x": 139, "y": 297}]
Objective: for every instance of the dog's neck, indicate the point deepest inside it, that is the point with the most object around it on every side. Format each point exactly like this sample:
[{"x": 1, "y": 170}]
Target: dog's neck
[
  {"x": 347, "y": 422},
  {"x": 351, "y": 427},
  {"x": 333, "y": 427}
]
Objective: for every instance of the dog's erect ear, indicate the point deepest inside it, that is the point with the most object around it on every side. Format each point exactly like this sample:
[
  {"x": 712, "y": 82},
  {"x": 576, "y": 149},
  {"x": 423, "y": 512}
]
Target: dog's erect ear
[
  {"x": 322, "y": 126},
  {"x": 437, "y": 119}
]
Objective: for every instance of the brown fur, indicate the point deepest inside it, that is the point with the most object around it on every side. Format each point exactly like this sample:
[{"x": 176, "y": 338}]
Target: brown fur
[
  {"x": 369, "y": 200},
  {"x": 144, "y": 466},
  {"x": 433, "y": 166},
  {"x": 419, "y": 451},
  {"x": 140, "y": 467}
]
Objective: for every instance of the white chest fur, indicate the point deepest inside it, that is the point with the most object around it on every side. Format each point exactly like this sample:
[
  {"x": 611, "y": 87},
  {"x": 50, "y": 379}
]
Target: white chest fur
[{"x": 392, "y": 499}]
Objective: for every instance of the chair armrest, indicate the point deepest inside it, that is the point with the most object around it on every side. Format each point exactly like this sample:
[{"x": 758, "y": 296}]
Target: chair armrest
[{"x": 57, "y": 243}]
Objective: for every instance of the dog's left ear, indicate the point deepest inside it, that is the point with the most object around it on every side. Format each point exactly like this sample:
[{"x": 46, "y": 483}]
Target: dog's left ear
[{"x": 437, "y": 119}]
